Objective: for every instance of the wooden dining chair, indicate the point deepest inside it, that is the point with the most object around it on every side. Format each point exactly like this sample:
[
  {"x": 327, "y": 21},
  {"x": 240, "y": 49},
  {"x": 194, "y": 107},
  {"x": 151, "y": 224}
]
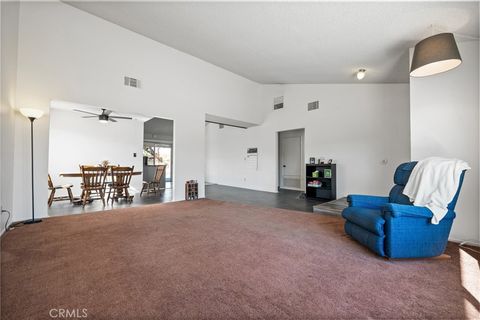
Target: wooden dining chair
[
  {"x": 121, "y": 177},
  {"x": 154, "y": 185},
  {"x": 93, "y": 179},
  {"x": 53, "y": 188}
]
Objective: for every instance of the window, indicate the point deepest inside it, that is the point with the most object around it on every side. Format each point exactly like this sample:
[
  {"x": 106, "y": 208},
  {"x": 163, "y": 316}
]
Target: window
[{"x": 155, "y": 154}]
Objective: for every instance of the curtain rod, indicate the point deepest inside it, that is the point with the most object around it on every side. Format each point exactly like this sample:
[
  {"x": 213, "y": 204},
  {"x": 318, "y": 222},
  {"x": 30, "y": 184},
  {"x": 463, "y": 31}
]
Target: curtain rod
[{"x": 225, "y": 124}]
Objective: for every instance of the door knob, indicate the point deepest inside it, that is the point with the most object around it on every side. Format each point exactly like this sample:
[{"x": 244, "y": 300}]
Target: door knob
[{"x": 284, "y": 166}]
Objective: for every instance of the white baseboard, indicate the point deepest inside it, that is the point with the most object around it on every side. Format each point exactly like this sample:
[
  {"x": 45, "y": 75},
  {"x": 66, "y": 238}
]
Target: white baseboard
[
  {"x": 247, "y": 187},
  {"x": 474, "y": 243}
]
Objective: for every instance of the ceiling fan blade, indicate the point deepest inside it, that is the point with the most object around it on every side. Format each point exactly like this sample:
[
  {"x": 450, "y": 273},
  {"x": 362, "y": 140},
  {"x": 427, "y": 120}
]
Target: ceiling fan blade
[
  {"x": 113, "y": 120},
  {"x": 106, "y": 112},
  {"x": 118, "y": 117},
  {"x": 85, "y": 112},
  {"x": 90, "y": 117}
]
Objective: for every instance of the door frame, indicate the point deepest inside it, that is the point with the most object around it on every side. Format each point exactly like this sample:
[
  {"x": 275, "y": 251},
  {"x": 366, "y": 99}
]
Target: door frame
[{"x": 302, "y": 160}]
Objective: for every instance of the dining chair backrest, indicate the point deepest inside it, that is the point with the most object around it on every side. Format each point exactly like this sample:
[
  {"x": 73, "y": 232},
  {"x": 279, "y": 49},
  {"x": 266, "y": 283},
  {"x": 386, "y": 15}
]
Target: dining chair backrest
[
  {"x": 121, "y": 176},
  {"x": 159, "y": 173},
  {"x": 93, "y": 177},
  {"x": 50, "y": 183}
]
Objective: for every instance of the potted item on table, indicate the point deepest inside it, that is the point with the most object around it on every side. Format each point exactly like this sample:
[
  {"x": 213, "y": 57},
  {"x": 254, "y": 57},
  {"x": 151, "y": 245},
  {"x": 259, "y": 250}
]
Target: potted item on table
[{"x": 104, "y": 163}]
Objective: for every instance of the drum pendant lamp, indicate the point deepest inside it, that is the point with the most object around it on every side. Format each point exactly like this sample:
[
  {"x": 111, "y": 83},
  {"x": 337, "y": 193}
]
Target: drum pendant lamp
[{"x": 435, "y": 54}]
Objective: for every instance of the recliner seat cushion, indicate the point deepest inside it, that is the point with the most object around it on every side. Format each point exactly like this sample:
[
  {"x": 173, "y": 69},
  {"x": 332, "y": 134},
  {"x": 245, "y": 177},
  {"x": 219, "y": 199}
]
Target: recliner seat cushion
[{"x": 370, "y": 219}]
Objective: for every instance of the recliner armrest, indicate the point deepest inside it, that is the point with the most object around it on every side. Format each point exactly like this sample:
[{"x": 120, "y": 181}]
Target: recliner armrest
[
  {"x": 401, "y": 210},
  {"x": 364, "y": 201}
]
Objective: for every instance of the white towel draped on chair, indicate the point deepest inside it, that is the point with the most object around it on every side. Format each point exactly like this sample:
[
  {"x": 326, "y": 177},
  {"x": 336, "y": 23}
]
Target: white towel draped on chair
[{"x": 433, "y": 184}]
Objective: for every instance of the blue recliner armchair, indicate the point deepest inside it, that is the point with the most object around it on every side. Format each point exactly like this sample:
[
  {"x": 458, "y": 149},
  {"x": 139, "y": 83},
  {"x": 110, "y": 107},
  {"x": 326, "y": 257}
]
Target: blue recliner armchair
[{"x": 392, "y": 227}]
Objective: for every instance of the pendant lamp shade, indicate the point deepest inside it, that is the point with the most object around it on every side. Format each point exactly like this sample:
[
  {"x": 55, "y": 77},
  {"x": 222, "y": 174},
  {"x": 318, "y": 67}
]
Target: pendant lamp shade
[
  {"x": 31, "y": 113},
  {"x": 436, "y": 54}
]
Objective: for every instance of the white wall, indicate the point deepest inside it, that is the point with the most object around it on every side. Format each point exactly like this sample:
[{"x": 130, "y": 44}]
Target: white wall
[
  {"x": 357, "y": 125},
  {"x": 9, "y": 29},
  {"x": 445, "y": 122},
  {"x": 67, "y": 54},
  {"x": 74, "y": 141}
]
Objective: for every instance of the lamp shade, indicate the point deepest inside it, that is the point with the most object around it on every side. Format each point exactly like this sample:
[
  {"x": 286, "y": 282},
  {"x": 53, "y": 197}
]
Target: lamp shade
[
  {"x": 31, "y": 113},
  {"x": 436, "y": 54}
]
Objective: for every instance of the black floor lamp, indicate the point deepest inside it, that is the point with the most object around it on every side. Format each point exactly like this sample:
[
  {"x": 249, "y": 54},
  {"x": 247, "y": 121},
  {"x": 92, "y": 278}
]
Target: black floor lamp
[{"x": 32, "y": 115}]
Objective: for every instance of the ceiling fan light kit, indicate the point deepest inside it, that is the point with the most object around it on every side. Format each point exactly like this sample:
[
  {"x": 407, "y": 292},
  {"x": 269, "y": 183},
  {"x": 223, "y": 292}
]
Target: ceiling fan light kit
[
  {"x": 435, "y": 54},
  {"x": 103, "y": 118}
]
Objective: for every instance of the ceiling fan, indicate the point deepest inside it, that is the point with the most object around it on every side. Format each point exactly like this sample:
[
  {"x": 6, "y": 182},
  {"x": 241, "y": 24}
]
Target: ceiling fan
[{"x": 104, "y": 117}]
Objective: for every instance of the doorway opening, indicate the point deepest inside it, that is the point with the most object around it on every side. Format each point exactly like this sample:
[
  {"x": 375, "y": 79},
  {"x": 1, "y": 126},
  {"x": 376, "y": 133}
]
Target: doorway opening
[
  {"x": 158, "y": 150},
  {"x": 291, "y": 169},
  {"x": 83, "y": 136}
]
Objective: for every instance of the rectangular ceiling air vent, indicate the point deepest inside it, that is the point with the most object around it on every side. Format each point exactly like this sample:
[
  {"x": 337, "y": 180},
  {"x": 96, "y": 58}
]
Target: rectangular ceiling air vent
[
  {"x": 131, "y": 82},
  {"x": 312, "y": 105},
  {"x": 278, "y": 103}
]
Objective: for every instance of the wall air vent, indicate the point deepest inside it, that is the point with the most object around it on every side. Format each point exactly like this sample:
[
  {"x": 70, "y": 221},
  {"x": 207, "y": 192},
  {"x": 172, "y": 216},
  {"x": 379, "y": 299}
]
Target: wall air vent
[
  {"x": 278, "y": 103},
  {"x": 312, "y": 106},
  {"x": 131, "y": 82}
]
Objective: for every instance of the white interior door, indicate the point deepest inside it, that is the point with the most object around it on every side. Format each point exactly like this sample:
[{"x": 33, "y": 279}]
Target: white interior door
[{"x": 291, "y": 162}]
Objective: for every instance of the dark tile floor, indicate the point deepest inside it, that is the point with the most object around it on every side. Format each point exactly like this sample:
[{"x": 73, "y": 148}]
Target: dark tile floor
[
  {"x": 62, "y": 208},
  {"x": 285, "y": 199}
]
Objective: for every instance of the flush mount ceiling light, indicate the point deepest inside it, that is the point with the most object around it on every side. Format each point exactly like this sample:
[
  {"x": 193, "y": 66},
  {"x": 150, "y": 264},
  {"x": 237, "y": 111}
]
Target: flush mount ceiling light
[
  {"x": 435, "y": 54},
  {"x": 361, "y": 74}
]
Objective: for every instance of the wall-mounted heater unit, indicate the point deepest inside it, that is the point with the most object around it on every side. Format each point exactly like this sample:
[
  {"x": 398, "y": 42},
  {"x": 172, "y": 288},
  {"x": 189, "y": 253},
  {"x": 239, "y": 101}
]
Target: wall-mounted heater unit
[{"x": 278, "y": 103}]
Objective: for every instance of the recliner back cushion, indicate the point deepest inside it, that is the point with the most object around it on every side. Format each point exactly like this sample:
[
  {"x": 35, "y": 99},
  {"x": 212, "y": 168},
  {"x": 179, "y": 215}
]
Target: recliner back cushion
[
  {"x": 400, "y": 179},
  {"x": 396, "y": 195},
  {"x": 403, "y": 173}
]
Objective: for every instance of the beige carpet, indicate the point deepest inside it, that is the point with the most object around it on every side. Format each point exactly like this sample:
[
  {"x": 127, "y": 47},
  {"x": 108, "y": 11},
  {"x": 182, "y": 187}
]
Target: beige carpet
[{"x": 216, "y": 260}]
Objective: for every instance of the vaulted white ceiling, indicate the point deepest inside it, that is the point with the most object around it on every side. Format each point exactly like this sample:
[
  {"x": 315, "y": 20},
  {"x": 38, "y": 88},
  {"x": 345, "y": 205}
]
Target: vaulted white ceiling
[{"x": 295, "y": 42}]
